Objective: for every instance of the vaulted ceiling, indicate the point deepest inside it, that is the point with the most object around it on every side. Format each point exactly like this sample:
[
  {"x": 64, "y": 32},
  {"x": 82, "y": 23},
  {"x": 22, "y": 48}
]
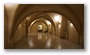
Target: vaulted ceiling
[{"x": 74, "y": 13}]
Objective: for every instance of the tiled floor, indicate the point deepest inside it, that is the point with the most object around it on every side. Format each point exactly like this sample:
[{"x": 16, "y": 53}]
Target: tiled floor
[{"x": 44, "y": 41}]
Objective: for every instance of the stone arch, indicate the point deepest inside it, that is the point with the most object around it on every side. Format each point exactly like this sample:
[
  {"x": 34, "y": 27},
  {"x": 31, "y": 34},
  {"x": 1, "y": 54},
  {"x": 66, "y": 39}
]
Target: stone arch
[
  {"x": 38, "y": 21},
  {"x": 44, "y": 18},
  {"x": 48, "y": 8},
  {"x": 44, "y": 22}
]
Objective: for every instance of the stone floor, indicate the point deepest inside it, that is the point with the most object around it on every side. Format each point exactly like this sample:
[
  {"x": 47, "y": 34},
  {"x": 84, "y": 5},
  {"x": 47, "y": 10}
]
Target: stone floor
[{"x": 44, "y": 41}]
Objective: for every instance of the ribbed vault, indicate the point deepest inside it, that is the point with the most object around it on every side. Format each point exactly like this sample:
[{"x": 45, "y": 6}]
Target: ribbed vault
[{"x": 27, "y": 10}]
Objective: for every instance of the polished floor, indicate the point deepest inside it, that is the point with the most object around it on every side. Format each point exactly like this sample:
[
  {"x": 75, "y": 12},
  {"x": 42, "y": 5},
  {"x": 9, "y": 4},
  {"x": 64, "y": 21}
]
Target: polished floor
[{"x": 44, "y": 41}]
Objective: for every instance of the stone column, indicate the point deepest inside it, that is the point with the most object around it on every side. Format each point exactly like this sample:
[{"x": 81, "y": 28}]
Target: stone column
[{"x": 64, "y": 28}]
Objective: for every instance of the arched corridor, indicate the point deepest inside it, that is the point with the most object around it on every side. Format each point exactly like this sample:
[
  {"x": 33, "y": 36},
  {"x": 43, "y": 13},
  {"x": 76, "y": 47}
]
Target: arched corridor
[{"x": 43, "y": 26}]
